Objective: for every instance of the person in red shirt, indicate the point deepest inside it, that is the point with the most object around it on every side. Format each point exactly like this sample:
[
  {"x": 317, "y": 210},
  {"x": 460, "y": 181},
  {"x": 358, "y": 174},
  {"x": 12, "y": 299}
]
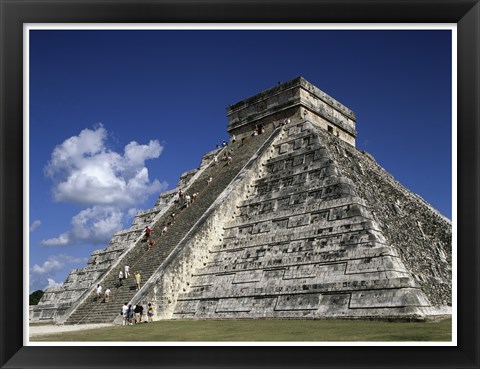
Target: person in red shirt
[{"x": 147, "y": 232}]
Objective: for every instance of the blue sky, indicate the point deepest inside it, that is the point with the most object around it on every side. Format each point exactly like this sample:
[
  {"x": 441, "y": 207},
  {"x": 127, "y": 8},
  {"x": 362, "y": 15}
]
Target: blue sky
[{"x": 116, "y": 116}]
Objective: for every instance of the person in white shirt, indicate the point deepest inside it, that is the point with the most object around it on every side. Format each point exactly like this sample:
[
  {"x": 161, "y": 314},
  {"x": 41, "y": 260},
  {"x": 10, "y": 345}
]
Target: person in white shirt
[
  {"x": 120, "y": 278},
  {"x": 124, "y": 313},
  {"x": 99, "y": 292},
  {"x": 127, "y": 268},
  {"x": 107, "y": 294}
]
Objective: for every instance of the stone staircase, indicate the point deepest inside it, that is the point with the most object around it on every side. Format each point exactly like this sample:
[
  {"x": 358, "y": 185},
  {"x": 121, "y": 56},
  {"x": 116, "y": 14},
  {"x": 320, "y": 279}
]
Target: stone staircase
[
  {"x": 304, "y": 245},
  {"x": 147, "y": 262}
]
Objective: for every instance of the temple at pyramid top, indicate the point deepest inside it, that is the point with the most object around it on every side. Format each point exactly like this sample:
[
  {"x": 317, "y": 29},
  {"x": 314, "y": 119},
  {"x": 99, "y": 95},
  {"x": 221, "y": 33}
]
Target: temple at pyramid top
[
  {"x": 293, "y": 223},
  {"x": 296, "y": 99}
]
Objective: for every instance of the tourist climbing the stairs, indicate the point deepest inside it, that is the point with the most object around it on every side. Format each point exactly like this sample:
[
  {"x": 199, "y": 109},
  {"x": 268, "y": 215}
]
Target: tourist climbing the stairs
[
  {"x": 188, "y": 200},
  {"x": 194, "y": 197},
  {"x": 107, "y": 294},
  {"x": 127, "y": 271},
  {"x": 120, "y": 279},
  {"x": 138, "y": 278},
  {"x": 148, "y": 231},
  {"x": 99, "y": 293}
]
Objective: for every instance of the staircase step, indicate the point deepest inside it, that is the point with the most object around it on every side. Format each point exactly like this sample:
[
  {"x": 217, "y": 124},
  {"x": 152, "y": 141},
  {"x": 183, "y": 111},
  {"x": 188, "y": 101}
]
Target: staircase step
[{"x": 147, "y": 262}]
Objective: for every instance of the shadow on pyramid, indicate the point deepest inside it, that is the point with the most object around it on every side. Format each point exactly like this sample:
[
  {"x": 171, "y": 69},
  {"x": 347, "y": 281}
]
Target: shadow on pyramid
[{"x": 289, "y": 220}]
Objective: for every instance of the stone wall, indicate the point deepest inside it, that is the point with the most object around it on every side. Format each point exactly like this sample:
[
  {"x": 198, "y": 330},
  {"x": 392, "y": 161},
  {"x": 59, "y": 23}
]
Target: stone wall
[
  {"x": 59, "y": 303},
  {"x": 306, "y": 114},
  {"x": 419, "y": 233},
  {"x": 174, "y": 276},
  {"x": 294, "y": 100},
  {"x": 306, "y": 241},
  {"x": 311, "y": 227}
]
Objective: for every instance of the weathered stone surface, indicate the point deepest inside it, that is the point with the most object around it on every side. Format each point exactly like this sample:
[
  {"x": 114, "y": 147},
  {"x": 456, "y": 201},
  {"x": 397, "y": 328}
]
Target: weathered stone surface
[
  {"x": 58, "y": 303},
  {"x": 296, "y": 100},
  {"x": 303, "y": 225},
  {"x": 306, "y": 237}
]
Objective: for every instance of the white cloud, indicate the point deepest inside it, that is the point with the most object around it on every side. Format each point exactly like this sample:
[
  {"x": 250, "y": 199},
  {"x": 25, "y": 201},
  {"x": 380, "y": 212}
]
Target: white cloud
[
  {"x": 93, "y": 225},
  {"x": 84, "y": 171},
  {"x": 132, "y": 212},
  {"x": 96, "y": 224},
  {"x": 135, "y": 156},
  {"x": 42, "y": 276},
  {"x": 52, "y": 284},
  {"x": 72, "y": 151},
  {"x": 61, "y": 240},
  {"x": 54, "y": 264},
  {"x": 35, "y": 225}
]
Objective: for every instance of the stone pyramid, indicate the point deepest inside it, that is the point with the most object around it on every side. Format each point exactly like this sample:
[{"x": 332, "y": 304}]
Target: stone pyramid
[{"x": 301, "y": 225}]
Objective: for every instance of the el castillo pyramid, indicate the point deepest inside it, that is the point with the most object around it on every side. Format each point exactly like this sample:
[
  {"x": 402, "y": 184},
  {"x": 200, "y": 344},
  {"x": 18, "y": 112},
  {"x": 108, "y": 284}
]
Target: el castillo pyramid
[{"x": 301, "y": 224}]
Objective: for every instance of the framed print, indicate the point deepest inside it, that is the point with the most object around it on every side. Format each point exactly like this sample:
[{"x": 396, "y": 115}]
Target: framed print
[{"x": 289, "y": 217}]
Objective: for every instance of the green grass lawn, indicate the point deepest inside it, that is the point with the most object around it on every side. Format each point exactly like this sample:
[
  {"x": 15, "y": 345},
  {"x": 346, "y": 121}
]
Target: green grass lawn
[{"x": 263, "y": 330}]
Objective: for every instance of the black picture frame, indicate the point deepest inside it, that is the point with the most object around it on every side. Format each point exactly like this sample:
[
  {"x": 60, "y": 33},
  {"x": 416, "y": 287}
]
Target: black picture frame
[{"x": 14, "y": 13}]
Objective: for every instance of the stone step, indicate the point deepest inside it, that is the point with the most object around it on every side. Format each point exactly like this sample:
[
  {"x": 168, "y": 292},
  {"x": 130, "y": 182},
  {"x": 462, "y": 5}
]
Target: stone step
[{"x": 147, "y": 262}]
